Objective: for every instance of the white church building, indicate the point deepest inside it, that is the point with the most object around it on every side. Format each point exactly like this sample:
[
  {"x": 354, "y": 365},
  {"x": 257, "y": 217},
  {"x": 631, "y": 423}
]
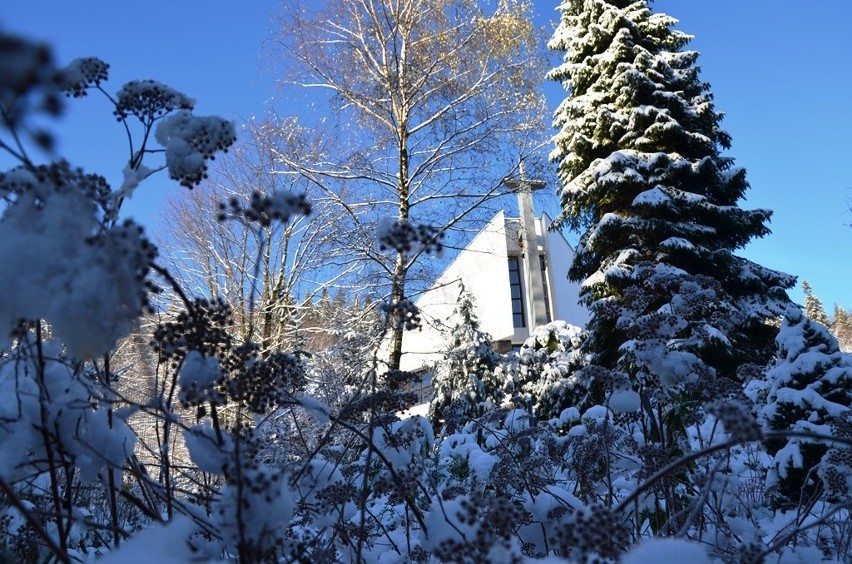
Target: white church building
[{"x": 516, "y": 270}]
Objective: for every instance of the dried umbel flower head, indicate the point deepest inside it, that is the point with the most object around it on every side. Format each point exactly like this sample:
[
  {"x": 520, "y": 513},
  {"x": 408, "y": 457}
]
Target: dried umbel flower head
[
  {"x": 27, "y": 80},
  {"x": 190, "y": 142},
  {"x": 264, "y": 209},
  {"x": 403, "y": 314},
  {"x": 203, "y": 327},
  {"x": 264, "y": 383},
  {"x": 149, "y": 100},
  {"x": 737, "y": 420},
  {"x": 44, "y": 180},
  {"x": 593, "y": 534},
  {"x": 404, "y": 237},
  {"x": 82, "y": 74}
]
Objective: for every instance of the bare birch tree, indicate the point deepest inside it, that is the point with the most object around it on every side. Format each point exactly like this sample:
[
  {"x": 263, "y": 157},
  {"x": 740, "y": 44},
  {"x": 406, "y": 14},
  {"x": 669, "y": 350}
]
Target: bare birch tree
[{"x": 433, "y": 104}]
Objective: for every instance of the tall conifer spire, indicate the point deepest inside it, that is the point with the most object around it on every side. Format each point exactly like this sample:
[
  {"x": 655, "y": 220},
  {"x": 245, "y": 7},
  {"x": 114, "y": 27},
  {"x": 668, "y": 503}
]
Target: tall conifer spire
[{"x": 639, "y": 154}]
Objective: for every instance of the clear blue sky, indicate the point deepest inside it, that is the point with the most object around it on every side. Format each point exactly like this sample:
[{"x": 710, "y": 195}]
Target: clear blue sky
[{"x": 780, "y": 71}]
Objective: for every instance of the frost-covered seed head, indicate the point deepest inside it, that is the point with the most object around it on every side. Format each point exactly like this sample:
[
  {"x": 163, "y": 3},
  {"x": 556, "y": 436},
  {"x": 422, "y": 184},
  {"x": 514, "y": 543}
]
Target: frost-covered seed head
[
  {"x": 737, "y": 420},
  {"x": 82, "y": 74},
  {"x": 149, "y": 100},
  {"x": 404, "y": 237},
  {"x": 403, "y": 313},
  {"x": 265, "y": 209}
]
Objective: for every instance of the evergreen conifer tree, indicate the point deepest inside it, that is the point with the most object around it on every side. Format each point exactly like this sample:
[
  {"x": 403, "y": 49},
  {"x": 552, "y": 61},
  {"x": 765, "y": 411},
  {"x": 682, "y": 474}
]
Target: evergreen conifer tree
[
  {"x": 813, "y": 305},
  {"x": 841, "y": 328},
  {"x": 542, "y": 375},
  {"x": 807, "y": 386},
  {"x": 464, "y": 381},
  {"x": 639, "y": 155}
]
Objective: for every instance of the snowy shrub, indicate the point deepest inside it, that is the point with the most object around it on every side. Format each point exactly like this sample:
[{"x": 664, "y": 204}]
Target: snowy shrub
[
  {"x": 543, "y": 374},
  {"x": 476, "y": 528},
  {"x": 806, "y": 388}
]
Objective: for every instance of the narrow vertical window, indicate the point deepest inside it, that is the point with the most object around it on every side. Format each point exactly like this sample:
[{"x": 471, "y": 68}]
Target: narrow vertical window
[
  {"x": 518, "y": 317},
  {"x": 543, "y": 264}
]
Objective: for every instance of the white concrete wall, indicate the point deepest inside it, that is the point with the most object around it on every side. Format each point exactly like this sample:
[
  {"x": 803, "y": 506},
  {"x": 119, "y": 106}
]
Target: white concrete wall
[
  {"x": 564, "y": 294},
  {"x": 483, "y": 268}
]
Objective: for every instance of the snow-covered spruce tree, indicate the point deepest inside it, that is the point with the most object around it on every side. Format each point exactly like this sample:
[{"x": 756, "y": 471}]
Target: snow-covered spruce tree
[
  {"x": 813, "y": 305},
  {"x": 464, "y": 381},
  {"x": 841, "y": 327},
  {"x": 542, "y": 376},
  {"x": 807, "y": 387},
  {"x": 639, "y": 157}
]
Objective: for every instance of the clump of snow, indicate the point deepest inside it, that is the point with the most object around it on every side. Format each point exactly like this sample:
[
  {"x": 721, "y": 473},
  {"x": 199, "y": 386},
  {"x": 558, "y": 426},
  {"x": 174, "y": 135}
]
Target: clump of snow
[
  {"x": 315, "y": 408},
  {"x": 568, "y": 416},
  {"x": 625, "y": 401},
  {"x": 76, "y": 78},
  {"x": 58, "y": 267},
  {"x": 597, "y": 413},
  {"x": 132, "y": 178},
  {"x": 790, "y": 456},
  {"x": 676, "y": 242},
  {"x": 404, "y": 441},
  {"x": 86, "y": 433},
  {"x": 446, "y": 523},
  {"x": 658, "y": 551},
  {"x": 517, "y": 420},
  {"x": 672, "y": 367},
  {"x": 255, "y": 511},
  {"x": 197, "y": 377},
  {"x": 190, "y": 141},
  {"x": 163, "y": 544},
  {"x": 653, "y": 197},
  {"x": 205, "y": 449}
]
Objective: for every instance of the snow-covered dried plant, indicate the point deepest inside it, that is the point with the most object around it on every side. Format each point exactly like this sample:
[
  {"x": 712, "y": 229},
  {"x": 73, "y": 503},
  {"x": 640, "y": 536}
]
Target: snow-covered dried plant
[
  {"x": 75, "y": 280},
  {"x": 263, "y": 209},
  {"x": 405, "y": 237}
]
